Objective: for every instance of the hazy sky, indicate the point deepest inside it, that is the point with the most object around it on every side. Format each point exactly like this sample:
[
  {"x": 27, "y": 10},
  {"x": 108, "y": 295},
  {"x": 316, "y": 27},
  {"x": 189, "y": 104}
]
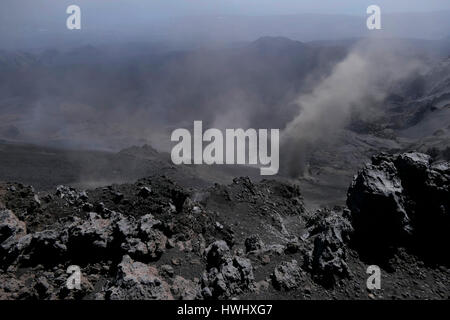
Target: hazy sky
[
  {"x": 23, "y": 22},
  {"x": 34, "y": 8}
]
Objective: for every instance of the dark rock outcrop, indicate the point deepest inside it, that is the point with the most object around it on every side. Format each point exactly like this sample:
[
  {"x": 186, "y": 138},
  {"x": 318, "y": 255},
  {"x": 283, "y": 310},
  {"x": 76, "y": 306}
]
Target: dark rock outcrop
[
  {"x": 287, "y": 276},
  {"x": 225, "y": 242},
  {"x": 402, "y": 200},
  {"x": 138, "y": 281},
  {"x": 330, "y": 233},
  {"x": 226, "y": 275}
]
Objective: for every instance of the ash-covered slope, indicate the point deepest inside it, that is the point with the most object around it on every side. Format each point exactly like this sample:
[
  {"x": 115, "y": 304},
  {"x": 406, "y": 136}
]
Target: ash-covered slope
[
  {"x": 429, "y": 115},
  {"x": 154, "y": 239},
  {"x": 415, "y": 115},
  {"x": 45, "y": 168},
  {"x": 113, "y": 97}
]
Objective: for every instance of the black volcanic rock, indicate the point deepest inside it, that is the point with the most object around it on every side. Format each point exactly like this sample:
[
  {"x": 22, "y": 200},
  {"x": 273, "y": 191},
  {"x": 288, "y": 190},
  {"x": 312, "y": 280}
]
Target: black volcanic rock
[
  {"x": 10, "y": 226},
  {"x": 138, "y": 281},
  {"x": 226, "y": 275},
  {"x": 253, "y": 243},
  {"x": 402, "y": 200},
  {"x": 245, "y": 240},
  {"x": 330, "y": 232},
  {"x": 287, "y": 275}
]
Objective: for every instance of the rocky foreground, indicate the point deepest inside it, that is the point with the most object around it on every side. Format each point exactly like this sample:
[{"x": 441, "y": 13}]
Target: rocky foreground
[{"x": 156, "y": 240}]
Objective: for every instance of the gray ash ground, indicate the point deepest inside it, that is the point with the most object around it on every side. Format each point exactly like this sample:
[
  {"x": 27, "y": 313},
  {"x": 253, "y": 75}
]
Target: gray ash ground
[{"x": 154, "y": 239}]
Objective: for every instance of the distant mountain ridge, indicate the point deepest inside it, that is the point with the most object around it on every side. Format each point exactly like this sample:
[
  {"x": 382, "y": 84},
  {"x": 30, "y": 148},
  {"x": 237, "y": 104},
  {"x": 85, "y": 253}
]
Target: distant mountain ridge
[{"x": 228, "y": 28}]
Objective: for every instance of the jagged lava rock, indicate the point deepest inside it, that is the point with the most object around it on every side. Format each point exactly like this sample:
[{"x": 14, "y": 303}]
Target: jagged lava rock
[{"x": 403, "y": 199}]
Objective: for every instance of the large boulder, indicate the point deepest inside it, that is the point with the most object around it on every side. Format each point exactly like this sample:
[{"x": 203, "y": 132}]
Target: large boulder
[
  {"x": 11, "y": 230},
  {"x": 10, "y": 226},
  {"x": 44, "y": 247},
  {"x": 226, "y": 275},
  {"x": 217, "y": 253},
  {"x": 138, "y": 281},
  {"x": 287, "y": 276},
  {"x": 330, "y": 232},
  {"x": 95, "y": 233},
  {"x": 184, "y": 289},
  {"x": 154, "y": 239},
  {"x": 402, "y": 199}
]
